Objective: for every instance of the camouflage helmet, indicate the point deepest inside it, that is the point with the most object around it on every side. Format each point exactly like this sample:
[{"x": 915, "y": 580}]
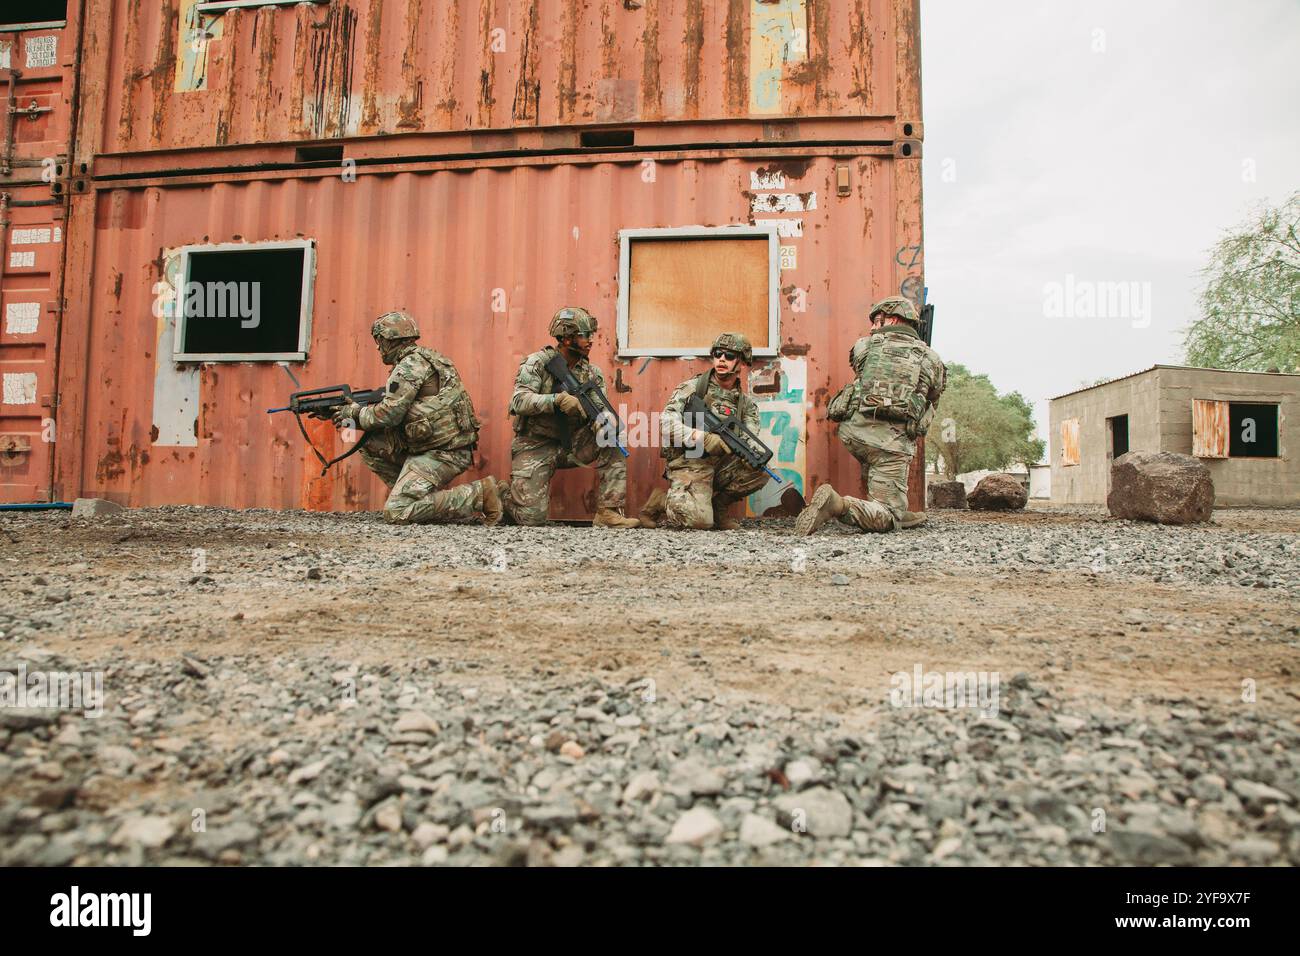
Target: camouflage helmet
[
  {"x": 572, "y": 320},
  {"x": 735, "y": 342},
  {"x": 395, "y": 325},
  {"x": 895, "y": 305}
]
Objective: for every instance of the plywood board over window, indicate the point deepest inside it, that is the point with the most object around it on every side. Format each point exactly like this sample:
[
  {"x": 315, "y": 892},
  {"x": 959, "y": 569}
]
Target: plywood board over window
[
  {"x": 1070, "y": 441},
  {"x": 1209, "y": 428},
  {"x": 679, "y": 288}
]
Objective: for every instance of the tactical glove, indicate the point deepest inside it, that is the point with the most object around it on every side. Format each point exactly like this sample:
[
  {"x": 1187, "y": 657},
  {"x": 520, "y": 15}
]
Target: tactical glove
[
  {"x": 569, "y": 404},
  {"x": 347, "y": 415},
  {"x": 713, "y": 445}
]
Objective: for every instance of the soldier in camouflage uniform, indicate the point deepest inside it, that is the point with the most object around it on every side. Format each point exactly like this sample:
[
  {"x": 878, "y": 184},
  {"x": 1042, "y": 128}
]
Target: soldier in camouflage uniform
[
  {"x": 705, "y": 476},
  {"x": 422, "y": 435},
  {"x": 551, "y": 430},
  {"x": 890, "y": 402}
]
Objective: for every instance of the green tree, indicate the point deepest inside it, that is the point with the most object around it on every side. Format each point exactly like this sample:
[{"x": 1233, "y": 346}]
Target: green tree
[
  {"x": 1250, "y": 306},
  {"x": 976, "y": 428}
]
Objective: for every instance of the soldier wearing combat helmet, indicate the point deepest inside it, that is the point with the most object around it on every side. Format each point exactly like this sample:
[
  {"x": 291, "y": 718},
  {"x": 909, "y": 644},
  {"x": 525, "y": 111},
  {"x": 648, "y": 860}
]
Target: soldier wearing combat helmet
[
  {"x": 552, "y": 431},
  {"x": 889, "y": 403},
  {"x": 705, "y": 476},
  {"x": 422, "y": 434}
]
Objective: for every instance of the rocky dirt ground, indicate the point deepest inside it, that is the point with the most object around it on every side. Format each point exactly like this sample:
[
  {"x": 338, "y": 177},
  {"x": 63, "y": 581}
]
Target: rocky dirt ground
[{"x": 305, "y": 688}]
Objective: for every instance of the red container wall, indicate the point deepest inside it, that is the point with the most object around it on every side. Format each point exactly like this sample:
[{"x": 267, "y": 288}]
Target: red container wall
[
  {"x": 37, "y": 75},
  {"x": 440, "y": 243},
  {"x": 168, "y": 78}
]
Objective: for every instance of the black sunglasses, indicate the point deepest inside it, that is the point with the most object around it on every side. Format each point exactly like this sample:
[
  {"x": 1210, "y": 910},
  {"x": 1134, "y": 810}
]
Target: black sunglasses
[{"x": 724, "y": 353}]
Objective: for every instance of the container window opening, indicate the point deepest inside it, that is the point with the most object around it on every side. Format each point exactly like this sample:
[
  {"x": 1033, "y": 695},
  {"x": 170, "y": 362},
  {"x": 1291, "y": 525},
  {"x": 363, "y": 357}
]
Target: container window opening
[
  {"x": 245, "y": 304},
  {"x": 33, "y": 13}
]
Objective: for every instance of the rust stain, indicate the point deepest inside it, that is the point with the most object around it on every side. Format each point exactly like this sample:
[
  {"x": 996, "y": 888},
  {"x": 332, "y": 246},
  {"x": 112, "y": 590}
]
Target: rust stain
[
  {"x": 109, "y": 467},
  {"x": 332, "y": 54},
  {"x": 409, "y": 114},
  {"x": 126, "y": 120},
  {"x": 693, "y": 40},
  {"x": 370, "y": 78},
  {"x": 737, "y": 57},
  {"x": 264, "y": 103},
  {"x": 527, "y": 87},
  {"x": 447, "y": 102},
  {"x": 651, "y": 94},
  {"x": 568, "y": 91},
  {"x": 486, "y": 74},
  {"x": 861, "y": 55},
  {"x": 164, "y": 69}
]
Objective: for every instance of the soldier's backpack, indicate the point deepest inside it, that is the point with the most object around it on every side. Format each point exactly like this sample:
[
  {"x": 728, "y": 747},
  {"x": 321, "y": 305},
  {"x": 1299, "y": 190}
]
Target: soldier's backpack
[
  {"x": 443, "y": 414},
  {"x": 889, "y": 378}
]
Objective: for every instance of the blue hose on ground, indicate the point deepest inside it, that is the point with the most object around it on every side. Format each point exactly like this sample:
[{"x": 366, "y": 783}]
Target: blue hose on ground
[{"x": 40, "y": 506}]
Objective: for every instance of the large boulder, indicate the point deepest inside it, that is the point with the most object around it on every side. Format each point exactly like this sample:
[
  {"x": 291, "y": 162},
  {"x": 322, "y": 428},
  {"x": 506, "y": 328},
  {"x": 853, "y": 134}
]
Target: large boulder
[
  {"x": 1161, "y": 486},
  {"x": 947, "y": 494},
  {"x": 1001, "y": 492}
]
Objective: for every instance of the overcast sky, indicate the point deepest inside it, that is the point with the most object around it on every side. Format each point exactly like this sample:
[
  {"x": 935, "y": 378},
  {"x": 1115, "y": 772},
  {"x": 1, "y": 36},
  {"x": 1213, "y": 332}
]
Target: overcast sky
[{"x": 1108, "y": 141}]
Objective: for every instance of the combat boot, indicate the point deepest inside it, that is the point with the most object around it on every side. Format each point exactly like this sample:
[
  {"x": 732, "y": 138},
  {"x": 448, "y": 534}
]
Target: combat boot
[
  {"x": 609, "y": 518},
  {"x": 825, "y": 505},
  {"x": 652, "y": 512},
  {"x": 911, "y": 519},
  {"x": 503, "y": 496},
  {"x": 491, "y": 501},
  {"x": 721, "y": 520}
]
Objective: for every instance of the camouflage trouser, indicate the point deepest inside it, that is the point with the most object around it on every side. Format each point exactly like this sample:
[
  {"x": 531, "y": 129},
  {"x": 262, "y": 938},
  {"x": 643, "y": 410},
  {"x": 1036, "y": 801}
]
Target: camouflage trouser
[
  {"x": 418, "y": 482},
  {"x": 533, "y": 462},
  {"x": 702, "y": 486},
  {"x": 884, "y": 473}
]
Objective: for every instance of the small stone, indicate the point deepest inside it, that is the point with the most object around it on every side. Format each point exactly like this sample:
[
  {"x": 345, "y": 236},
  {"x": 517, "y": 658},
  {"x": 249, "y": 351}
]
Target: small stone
[
  {"x": 313, "y": 574},
  {"x": 434, "y": 856},
  {"x": 641, "y": 787},
  {"x": 760, "y": 832},
  {"x": 695, "y": 827},
  {"x": 94, "y": 507},
  {"x": 1253, "y": 792},
  {"x": 145, "y": 831},
  {"x": 388, "y": 816},
  {"x": 823, "y": 812},
  {"x": 839, "y": 580},
  {"x": 572, "y": 749},
  {"x": 427, "y": 834},
  {"x": 416, "y": 722}
]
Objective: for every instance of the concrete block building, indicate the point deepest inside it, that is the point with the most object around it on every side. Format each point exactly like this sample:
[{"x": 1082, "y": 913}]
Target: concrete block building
[{"x": 1245, "y": 426}]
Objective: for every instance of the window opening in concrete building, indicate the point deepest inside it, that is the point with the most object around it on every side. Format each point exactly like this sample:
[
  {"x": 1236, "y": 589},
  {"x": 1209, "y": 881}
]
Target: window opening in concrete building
[
  {"x": 1118, "y": 429},
  {"x": 679, "y": 288},
  {"x": 1252, "y": 430},
  {"x": 240, "y": 302}
]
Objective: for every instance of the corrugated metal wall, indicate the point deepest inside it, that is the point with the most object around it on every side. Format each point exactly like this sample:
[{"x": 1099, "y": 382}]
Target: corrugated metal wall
[{"x": 438, "y": 222}]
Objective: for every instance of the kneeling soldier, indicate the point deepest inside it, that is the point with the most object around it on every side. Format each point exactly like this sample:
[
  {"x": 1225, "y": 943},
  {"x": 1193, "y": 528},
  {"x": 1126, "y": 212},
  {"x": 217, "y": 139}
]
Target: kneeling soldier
[
  {"x": 706, "y": 477},
  {"x": 422, "y": 435},
  {"x": 890, "y": 402},
  {"x": 552, "y": 431}
]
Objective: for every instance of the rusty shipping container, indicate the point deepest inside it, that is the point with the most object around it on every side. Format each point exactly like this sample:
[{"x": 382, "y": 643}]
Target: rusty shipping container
[{"x": 678, "y": 167}]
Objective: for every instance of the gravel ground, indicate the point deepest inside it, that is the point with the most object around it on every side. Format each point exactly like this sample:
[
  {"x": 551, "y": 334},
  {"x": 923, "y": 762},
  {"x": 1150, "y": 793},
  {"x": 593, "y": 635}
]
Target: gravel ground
[{"x": 287, "y": 688}]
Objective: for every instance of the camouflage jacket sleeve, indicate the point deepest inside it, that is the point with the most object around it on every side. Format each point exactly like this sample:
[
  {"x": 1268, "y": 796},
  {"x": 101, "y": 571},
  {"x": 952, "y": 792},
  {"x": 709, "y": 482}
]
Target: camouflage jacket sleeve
[
  {"x": 672, "y": 430},
  {"x": 934, "y": 379},
  {"x": 749, "y": 417},
  {"x": 404, "y": 384},
  {"x": 530, "y": 397},
  {"x": 857, "y": 352}
]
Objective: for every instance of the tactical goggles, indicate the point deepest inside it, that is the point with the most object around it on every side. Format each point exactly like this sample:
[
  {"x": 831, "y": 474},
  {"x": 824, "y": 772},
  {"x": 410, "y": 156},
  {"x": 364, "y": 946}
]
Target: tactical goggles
[{"x": 725, "y": 353}]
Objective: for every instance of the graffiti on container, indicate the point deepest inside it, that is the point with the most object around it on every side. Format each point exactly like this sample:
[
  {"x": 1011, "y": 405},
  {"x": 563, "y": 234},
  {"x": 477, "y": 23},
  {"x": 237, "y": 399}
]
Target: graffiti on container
[
  {"x": 908, "y": 256},
  {"x": 778, "y": 34},
  {"x": 781, "y": 426},
  {"x": 911, "y": 288},
  {"x": 196, "y": 31}
]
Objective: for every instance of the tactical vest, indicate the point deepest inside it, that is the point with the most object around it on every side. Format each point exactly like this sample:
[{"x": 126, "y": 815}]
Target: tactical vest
[
  {"x": 442, "y": 415},
  {"x": 723, "y": 408},
  {"x": 889, "y": 378}
]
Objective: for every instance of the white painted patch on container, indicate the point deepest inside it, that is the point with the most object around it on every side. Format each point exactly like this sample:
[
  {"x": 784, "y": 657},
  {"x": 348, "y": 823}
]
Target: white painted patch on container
[
  {"x": 5, "y": 47},
  {"x": 175, "y": 386},
  {"x": 22, "y": 318},
  {"x": 575, "y": 232},
  {"x": 29, "y": 237},
  {"x": 22, "y": 260},
  {"x": 765, "y": 180},
  {"x": 785, "y": 228},
  {"x": 20, "y": 388},
  {"x": 783, "y": 202},
  {"x": 58, "y": 233},
  {"x": 42, "y": 51}
]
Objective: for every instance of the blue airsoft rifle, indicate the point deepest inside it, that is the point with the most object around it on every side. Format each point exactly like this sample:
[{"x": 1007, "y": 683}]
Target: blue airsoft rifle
[
  {"x": 321, "y": 403},
  {"x": 594, "y": 403},
  {"x": 732, "y": 431}
]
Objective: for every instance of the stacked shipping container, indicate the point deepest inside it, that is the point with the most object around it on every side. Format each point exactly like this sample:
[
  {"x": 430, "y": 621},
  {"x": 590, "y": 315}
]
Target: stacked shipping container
[{"x": 477, "y": 164}]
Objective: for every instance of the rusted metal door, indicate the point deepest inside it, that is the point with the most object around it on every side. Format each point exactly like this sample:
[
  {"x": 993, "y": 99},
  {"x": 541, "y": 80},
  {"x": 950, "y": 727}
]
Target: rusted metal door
[
  {"x": 1209, "y": 428},
  {"x": 37, "y": 75}
]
